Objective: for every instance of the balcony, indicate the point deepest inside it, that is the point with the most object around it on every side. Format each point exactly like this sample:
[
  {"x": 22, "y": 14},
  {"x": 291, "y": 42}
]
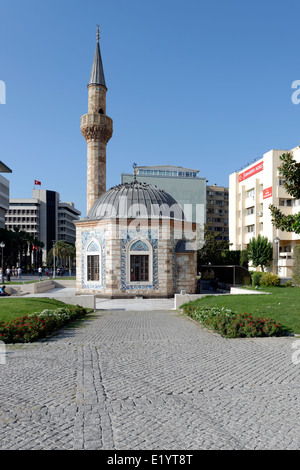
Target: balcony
[
  {"x": 96, "y": 120},
  {"x": 285, "y": 260}
]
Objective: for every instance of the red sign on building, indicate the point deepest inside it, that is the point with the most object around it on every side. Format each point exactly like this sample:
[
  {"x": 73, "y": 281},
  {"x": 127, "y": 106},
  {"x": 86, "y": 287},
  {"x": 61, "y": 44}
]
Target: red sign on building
[
  {"x": 252, "y": 171},
  {"x": 267, "y": 192}
]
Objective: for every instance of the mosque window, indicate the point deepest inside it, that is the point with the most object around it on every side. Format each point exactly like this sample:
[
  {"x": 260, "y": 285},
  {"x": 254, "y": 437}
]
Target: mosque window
[
  {"x": 93, "y": 267},
  {"x": 140, "y": 262},
  {"x": 93, "y": 262},
  {"x": 139, "y": 268}
]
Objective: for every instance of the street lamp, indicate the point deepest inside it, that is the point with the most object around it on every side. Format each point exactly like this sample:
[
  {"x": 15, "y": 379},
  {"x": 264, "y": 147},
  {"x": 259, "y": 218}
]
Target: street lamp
[
  {"x": 277, "y": 240},
  {"x": 2, "y": 245}
]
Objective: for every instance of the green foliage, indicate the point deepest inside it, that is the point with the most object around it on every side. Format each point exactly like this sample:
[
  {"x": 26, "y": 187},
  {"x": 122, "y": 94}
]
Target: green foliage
[
  {"x": 290, "y": 171},
  {"x": 260, "y": 251},
  {"x": 65, "y": 253},
  {"x": 29, "y": 328},
  {"x": 255, "y": 276},
  {"x": 269, "y": 279},
  {"x": 230, "y": 325},
  {"x": 19, "y": 247},
  {"x": 244, "y": 258},
  {"x": 212, "y": 250},
  {"x": 296, "y": 266}
]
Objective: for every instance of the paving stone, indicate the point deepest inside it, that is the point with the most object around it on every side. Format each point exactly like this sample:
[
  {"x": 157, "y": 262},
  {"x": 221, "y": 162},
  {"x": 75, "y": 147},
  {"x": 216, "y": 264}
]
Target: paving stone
[{"x": 149, "y": 380}]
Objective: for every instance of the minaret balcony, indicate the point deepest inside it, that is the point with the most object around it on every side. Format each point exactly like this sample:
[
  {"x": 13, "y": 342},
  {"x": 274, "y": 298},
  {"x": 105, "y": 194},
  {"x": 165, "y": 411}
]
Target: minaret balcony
[
  {"x": 96, "y": 120},
  {"x": 96, "y": 127}
]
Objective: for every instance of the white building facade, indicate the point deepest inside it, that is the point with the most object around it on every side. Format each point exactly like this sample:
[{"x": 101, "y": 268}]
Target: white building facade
[{"x": 251, "y": 191}]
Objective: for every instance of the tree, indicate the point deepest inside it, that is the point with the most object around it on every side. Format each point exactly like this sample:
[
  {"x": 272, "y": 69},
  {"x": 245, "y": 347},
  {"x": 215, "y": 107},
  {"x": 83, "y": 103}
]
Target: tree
[
  {"x": 290, "y": 171},
  {"x": 296, "y": 266},
  {"x": 64, "y": 254},
  {"x": 212, "y": 250},
  {"x": 260, "y": 252}
]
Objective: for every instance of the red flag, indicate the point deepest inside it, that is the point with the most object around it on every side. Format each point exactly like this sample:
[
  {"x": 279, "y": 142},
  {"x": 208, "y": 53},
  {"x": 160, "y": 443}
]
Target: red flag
[{"x": 37, "y": 182}]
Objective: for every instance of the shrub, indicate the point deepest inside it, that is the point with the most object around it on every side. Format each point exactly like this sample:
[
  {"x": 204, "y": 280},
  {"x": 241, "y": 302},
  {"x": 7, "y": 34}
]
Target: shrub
[
  {"x": 31, "y": 327},
  {"x": 255, "y": 276},
  {"x": 296, "y": 265},
  {"x": 269, "y": 279},
  {"x": 230, "y": 325}
]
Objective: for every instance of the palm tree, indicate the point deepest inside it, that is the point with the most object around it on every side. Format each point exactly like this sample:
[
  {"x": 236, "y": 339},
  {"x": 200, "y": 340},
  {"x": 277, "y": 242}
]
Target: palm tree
[{"x": 64, "y": 254}]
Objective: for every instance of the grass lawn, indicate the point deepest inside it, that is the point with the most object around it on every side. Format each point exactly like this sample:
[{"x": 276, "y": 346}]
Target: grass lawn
[
  {"x": 11, "y": 308},
  {"x": 281, "y": 304}
]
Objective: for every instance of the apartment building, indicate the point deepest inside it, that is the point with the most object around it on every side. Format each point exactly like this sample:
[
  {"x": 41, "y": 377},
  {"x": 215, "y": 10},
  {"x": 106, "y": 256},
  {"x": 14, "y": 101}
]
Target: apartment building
[
  {"x": 217, "y": 210},
  {"x": 251, "y": 191},
  {"x": 44, "y": 216}
]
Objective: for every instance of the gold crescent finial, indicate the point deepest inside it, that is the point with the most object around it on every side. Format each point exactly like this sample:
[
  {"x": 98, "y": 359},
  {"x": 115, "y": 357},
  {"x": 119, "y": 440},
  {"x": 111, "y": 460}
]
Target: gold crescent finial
[{"x": 98, "y": 33}]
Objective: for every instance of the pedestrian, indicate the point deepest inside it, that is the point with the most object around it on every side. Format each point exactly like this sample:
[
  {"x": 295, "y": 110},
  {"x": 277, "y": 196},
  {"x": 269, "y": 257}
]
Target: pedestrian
[
  {"x": 8, "y": 274},
  {"x": 3, "y": 292},
  {"x": 1, "y": 275},
  {"x": 40, "y": 271},
  {"x": 19, "y": 271}
]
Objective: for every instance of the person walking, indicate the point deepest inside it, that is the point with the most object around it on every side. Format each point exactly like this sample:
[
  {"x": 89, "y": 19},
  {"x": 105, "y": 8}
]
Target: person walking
[{"x": 40, "y": 270}]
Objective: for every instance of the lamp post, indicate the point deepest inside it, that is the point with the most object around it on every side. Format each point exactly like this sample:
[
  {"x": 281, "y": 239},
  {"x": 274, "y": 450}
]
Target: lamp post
[
  {"x": 2, "y": 245},
  {"x": 277, "y": 240}
]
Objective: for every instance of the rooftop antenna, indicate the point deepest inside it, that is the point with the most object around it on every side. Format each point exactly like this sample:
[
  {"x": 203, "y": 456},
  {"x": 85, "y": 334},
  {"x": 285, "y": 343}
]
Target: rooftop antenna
[{"x": 98, "y": 32}]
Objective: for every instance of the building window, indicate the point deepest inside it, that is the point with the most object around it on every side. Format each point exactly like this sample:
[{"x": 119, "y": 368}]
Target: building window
[
  {"x": 93, "y": 259},
  {"x": 286, "y": 202},
  {"x": 93, "y": 267},
  {"x": 250, "y": 228},
  {"x": 140, "y": 260},
  {"x": 250, "y": 210},
  {"x": 139, "y": 268},
  {"x": 250, "y": 193}
]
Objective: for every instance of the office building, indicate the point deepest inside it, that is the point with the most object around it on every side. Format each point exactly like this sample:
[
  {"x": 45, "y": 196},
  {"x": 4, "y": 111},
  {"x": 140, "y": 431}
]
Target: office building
[
  {"x": 183, "y": 184},
  {"x": 251, "y": 191},
  {"x": 44, "y": 216},
  {"x": 4, "y": 193}
]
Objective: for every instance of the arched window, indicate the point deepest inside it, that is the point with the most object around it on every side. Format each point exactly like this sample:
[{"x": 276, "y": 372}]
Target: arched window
[
  {"x": 139, "y": 262},
  {"x": 93, "y": 262},
  {"x": 101, "y": 111}
]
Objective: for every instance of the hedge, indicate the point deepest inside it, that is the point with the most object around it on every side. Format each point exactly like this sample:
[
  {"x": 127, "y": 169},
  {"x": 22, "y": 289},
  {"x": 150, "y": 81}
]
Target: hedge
[
  {"x": 29, "y": 328},
  {"x": 230, "y": 325}
]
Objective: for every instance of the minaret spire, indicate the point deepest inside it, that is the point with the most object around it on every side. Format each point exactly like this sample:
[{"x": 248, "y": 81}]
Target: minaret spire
[
  {"x": 97, "y": 74},
  {"x": 97, "y": 129}
]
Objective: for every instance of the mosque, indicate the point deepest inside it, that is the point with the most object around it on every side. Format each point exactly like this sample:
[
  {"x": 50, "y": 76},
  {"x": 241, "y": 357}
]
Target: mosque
[{"x": 135, "y": 240}]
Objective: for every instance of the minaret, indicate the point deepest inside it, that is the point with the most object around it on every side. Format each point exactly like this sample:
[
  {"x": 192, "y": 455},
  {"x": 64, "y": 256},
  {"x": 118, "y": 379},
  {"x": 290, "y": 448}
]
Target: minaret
[{"x": 97, "y": 129}]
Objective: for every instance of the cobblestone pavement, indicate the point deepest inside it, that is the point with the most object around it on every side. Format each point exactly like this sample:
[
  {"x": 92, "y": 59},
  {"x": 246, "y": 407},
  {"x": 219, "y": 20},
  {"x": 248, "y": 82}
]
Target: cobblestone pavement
[{"x": 149, "y": 380}]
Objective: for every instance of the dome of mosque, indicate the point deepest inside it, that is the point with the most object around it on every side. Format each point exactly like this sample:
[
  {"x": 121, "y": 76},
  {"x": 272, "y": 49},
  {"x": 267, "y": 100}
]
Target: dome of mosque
[{"x": 135, "y": 200}]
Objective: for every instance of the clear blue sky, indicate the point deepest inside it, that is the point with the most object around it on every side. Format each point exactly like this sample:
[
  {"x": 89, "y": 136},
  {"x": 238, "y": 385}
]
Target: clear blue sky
[{"x": 201, "y": 84}]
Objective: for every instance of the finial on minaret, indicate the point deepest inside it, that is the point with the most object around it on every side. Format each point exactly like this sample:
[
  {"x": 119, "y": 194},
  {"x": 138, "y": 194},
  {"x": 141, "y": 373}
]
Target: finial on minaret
[{"x": 98, "y": 33}]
